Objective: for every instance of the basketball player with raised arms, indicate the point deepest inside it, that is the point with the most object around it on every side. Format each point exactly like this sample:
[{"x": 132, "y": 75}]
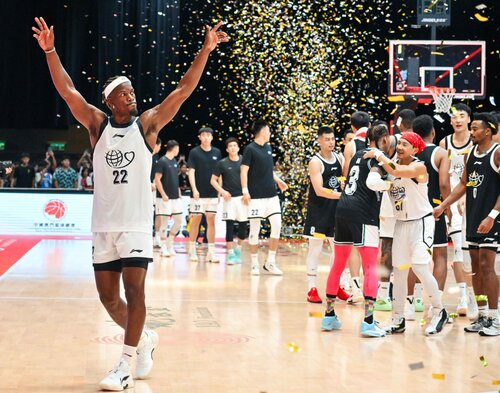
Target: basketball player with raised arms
[
  {"x": 325, "y": 171},
  {"x": 356, "y": 224},
  {"x": 414, "y": 229},
  {"x": 481, "y": 185},
  {"x": 458, "y": 144},
  {"x": 121, "y": 215}
]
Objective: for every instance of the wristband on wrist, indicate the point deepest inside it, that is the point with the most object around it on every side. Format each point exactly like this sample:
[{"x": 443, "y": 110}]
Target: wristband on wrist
[
  {"x": 50, "y": 51},
  {"x": 378, "y": 153},
  {"x": 245, "y": 190},
  {"x": 494, "y": 213}
]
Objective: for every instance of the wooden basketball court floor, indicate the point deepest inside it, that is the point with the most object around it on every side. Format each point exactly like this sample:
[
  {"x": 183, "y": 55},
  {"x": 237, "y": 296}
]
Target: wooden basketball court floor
[{"x": 221, "y": 330}]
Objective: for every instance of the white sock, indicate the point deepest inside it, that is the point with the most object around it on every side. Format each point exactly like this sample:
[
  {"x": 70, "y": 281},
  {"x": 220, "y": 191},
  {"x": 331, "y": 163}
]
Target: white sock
[
  {"x": 493, "y": 313},
  {"x": 128, "y": 353},
  {"x": 211, "y": 248},
  {"x": 271, "y": 256},
  {"x": 355, "y": 283},
  {"x": 462, "y": 287},
  {"x": 383, "y": 289},
  {"x": 483, "y": 310},
  {"x": 255, "y": 259},
  {"x": 418, "y": 291},
  {"x": 170, "y": 242},
  {"x": 311, "y": 282},
  {"x": 192, "y": 247}
]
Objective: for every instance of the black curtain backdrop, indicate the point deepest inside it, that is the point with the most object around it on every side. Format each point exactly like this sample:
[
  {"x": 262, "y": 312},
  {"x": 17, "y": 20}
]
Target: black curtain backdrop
[{"x": 95, "y": 40}]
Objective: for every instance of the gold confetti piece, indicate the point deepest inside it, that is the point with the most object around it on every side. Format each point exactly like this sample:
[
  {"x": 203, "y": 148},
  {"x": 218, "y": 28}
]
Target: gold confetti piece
[
  {"x": 429, "y": 251},
  {"x": 480, "y": 17},
  {"x": 463, "y": 153},
  {"x": 341, "y": 179},
  {"x": 335, "y": 83},
  {"x": 438, "y": 376},
  {"x": 301, "y": 128},
  {"x": 396, "y": 98},
  {"x": 483, "y": 361},
  {"x": 404, "y": 267},
  {"x": 437, "y": 53},
  {"x": 436, "y": 201},
  {"x": 319, "y": 235},
  {"x": 423, "y": 322},
  {"x": 315, "y": 314},
  {"x": 292, "y": 347},
  {"x": 495, "y": 382},
  {"x": 453, "y": 315}
]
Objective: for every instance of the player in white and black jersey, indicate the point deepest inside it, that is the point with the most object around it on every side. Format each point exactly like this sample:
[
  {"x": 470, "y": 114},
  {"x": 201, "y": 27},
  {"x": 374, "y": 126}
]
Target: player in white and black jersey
[
  {"x": 414, "y": 230},
  {"x": 258, "y": 183},
  {"x": 360, "y": 121},
  {"x": 226, "y": 180},
  {"x": 168, "y": 196},
  {"x": 201, "y": 162},
  {"x": 437, "y": 163},
  {"x": 121, "y": 214},
  {"x": 325, "y": 173},
  {"x": 356, "y": 224},
  {"x": 458, "y": 145},
  {"x": 481, "y": 184}
]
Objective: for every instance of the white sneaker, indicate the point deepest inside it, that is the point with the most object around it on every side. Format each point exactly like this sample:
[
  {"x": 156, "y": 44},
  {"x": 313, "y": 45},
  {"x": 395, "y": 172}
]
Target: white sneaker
[
  {"x": 193, "y": 256},
  {"x": 144, "y": 352},
  {"x": 156, "y": 242},
  {"x": 462, "y": 306},
  {"x": 118, "y": 379},
  {"x": 345, "y": 279},
  {"x": 255, "y": 271},
  {"x": 212, "y": 258},
  {"x": 356, "y": 296},
  {"x": 472, "y": 310},
  {"x": 439, "y": 319},
  {"x": 410, "y": 310},
  {"x": 493, "y": 329},
  {"x": 272, "y": 269},
  {"x": 164, "y": 251}
]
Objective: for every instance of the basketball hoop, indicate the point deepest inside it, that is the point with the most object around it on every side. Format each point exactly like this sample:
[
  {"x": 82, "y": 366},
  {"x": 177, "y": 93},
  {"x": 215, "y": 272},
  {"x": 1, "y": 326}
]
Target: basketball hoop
[{"x": 443, "y": 97}]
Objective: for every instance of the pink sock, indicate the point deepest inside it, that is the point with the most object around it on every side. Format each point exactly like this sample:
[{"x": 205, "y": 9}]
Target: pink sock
[
  {"x": 369, "y": 262},
  {"x": 341, "y": 255}
]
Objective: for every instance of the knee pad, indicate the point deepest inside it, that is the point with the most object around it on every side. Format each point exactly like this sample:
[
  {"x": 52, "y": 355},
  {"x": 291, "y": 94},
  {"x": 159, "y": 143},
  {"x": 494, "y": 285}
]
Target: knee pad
[
  {"x": 275, "y": 221},
  {"x": 254, "y": 232}
]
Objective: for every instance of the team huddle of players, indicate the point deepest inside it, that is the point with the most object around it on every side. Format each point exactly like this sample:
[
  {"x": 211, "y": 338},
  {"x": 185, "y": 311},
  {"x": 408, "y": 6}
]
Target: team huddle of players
[{"x": 388, "y": 196}]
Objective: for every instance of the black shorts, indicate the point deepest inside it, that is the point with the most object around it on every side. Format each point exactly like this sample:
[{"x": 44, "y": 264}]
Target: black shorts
[
  {"x": 355, "y": 234},
  {"x": 119, "y": 264},
  {"x": 320, "y": 220},
  {"x": 441, "y": 233},
  {"x": 487, "y": 241}
]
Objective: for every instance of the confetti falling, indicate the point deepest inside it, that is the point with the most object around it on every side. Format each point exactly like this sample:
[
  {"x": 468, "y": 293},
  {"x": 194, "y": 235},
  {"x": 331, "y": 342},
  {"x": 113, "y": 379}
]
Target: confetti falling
[
  {"x": 315, "y": 314},
  {"x": 438, "y": 376},
  {"x": 483, "y": 361},
  {"x": 294, "y": 348}
]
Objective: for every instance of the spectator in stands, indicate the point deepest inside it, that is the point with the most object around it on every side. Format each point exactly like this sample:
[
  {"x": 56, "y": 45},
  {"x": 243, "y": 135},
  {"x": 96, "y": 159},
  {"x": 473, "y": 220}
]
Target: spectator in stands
[
  {"x": 86, "y": 182},
  {"x": 184, "y": 179},
  {"x": 24, "y": 174},
  {"x": 44, "y": 177},
  {"x": 65, "y": 176}
]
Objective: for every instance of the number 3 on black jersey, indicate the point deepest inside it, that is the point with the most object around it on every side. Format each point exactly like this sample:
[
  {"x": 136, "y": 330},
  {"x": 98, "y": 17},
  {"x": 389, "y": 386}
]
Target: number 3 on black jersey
[
  {"x": 352, "y": 186},
  {"x": 120, "y": 177}
]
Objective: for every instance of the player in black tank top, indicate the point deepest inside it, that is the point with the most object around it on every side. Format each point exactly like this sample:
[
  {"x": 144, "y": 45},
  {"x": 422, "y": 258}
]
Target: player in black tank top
[{"x": 481, "y": 182}]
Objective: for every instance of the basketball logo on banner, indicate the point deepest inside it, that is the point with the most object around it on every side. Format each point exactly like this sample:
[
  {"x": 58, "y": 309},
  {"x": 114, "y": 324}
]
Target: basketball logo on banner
[{"x": 54, "y": 210}]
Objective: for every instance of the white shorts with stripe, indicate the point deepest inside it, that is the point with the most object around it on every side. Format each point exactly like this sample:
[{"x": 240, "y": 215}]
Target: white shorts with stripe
[
  {"x": 235, "y": 210},
  {"x": 387, "y": 227},
  {"x": 203, "y": 205},
  {"x": 170, "y": 208},
  {"x": 413, "y": 241},
  {"x": 264, "y": 207}
]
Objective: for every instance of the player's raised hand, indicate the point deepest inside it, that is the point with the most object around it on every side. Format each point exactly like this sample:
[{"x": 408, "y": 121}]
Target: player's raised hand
[
  {"x": 43, "y": 34},
  {"x": 213, "y": 36}
]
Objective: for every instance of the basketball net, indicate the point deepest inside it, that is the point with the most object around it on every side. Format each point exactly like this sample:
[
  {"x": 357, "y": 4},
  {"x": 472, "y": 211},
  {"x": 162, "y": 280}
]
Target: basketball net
[{"x": 443, "y": 97}]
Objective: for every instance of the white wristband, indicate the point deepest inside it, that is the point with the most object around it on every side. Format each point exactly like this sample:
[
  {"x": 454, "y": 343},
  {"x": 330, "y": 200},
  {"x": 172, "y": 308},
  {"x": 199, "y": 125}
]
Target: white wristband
[
  {"x": 245, "y": 190},
  {"x": 50, "y": 51},
  {"x": 494, "y": 213},
  {"x": 378, "y": 153}
]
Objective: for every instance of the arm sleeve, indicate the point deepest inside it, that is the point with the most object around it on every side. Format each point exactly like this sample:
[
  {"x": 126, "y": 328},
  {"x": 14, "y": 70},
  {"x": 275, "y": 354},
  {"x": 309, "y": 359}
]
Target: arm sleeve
[{"x": 375, "y": 183}]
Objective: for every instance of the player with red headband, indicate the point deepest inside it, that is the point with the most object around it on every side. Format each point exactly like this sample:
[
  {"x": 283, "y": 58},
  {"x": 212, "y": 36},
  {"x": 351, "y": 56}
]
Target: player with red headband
[{"x": 414, "y": 230}]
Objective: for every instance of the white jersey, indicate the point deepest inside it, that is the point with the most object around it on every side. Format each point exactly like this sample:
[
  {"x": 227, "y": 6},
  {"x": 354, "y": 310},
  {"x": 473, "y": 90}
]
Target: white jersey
[
  {"x": 409, "y": 199},
  {"x": 122, "y": 188},
  {"x": 457, "y": 157},
  {"x": 386, "y": 210}
]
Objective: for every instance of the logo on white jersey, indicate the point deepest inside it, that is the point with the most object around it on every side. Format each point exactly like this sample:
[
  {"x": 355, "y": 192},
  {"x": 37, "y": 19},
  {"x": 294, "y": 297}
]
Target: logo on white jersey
[
  {"x": 458, "y": 169},
  {"x": 117, "y": 159},
  {"x": 398, "y": 193}
]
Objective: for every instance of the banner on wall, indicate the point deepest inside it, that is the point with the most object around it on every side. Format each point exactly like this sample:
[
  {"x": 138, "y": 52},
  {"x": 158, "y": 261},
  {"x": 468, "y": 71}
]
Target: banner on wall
[{"x": 43, "y": 213}]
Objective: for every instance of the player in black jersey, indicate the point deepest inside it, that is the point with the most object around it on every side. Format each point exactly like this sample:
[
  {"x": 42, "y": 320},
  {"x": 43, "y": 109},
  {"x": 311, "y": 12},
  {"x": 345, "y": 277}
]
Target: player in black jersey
[
  {"x": 113, "y": 261},
  {"x": 325, "y": 172},
  {"x": 360, "y": 121},
  {"x": 481, "y": 184},
  {"x": 356, "y": 224},
  {"x": 437, "y": 163}
]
